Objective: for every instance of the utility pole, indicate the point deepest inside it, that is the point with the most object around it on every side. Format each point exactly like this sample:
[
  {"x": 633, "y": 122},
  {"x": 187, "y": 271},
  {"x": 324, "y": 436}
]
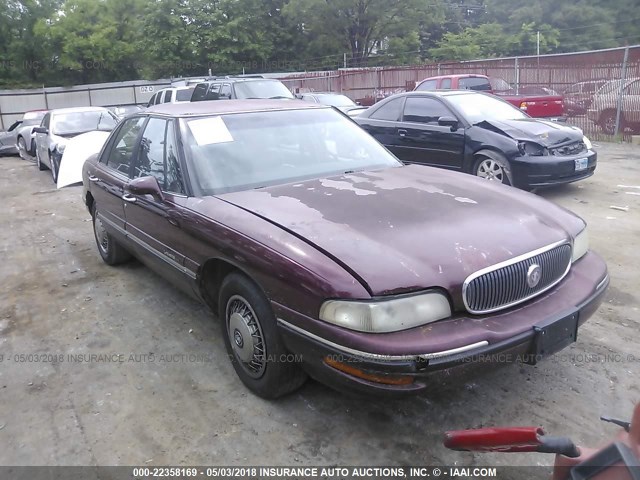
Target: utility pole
[
  {"x": 344, "y": 59},
  {"x": 538, "y": 55}
]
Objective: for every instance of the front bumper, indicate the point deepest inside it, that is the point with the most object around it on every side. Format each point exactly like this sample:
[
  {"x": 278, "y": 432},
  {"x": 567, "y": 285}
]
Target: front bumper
[
  {"x": 548, "y": 170},
  {"x": 463, "y": 341}
]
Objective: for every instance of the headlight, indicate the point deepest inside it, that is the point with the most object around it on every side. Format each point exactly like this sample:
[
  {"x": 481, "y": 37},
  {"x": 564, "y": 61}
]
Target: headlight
[
  {"x": 580, "y": 245},
  {"x": 530, "y": 148},
  {"x": 587, "y": 143},
  {"x": 386, "y": 315}
]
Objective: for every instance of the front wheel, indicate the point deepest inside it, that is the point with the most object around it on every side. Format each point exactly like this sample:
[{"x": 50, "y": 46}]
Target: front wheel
[
  {"x": 110, "y": 250},
  {"x": 55, "y": 167},
  {"x": 493, "y": 167},
  {"x": 41, "y": 166},
  {"x": 255, "y": 348}
]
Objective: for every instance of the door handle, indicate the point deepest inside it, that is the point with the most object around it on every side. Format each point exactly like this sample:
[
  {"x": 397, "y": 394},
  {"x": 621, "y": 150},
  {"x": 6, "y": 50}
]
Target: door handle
[
  {"x": 93, "y": 178},
  {"x": 402, "y": 132},
  {"x": 173, "y": 221},
  {"x": 129, "y": 198}
]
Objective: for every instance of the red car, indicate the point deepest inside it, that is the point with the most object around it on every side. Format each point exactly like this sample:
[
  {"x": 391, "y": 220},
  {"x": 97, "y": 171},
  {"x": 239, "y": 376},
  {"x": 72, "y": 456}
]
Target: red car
[
  {"x": 536, "y": 105},
  {"x": 322, "y": 254}
]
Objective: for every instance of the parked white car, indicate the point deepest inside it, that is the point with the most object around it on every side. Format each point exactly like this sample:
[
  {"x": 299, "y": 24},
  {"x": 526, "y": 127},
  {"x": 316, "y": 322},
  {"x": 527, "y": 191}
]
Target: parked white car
[
  {"x": 172, "y": 95},
  {"x": 62, "y": 124}
]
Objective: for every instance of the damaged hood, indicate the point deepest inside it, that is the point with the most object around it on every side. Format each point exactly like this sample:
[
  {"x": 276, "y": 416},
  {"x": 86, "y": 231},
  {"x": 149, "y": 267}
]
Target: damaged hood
[
  {"x": 76, "y": 152},
  {"x": 532, "y": 130},
  {"x": 411, "y": 227}
]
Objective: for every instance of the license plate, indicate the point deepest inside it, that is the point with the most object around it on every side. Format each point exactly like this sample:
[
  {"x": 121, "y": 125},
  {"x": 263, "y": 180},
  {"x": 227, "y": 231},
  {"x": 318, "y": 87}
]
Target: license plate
[
  {"x": 581, "y": 164},
  {"x": 553, "y": 337}
]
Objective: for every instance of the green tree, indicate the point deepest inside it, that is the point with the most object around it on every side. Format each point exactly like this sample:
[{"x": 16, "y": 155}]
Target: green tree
[{"x": 360, "y": 27}]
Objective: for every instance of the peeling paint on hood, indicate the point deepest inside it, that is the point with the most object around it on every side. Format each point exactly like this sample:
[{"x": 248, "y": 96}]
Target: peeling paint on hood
[{"x": 415, "y": 227}]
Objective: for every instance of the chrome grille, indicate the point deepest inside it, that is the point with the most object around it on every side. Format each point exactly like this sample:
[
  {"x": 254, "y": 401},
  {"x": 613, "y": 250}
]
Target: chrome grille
[
  {"x": 505, "y": 284},
  {"x": 572, "y": 149}
]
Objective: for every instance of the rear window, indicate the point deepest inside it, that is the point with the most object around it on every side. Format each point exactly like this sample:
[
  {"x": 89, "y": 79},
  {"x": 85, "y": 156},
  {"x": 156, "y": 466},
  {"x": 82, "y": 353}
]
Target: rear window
[
  {"x": 474, "y": 83},
  {"x": 389, "y": 111},
  {"x": 427, "y": 85}
]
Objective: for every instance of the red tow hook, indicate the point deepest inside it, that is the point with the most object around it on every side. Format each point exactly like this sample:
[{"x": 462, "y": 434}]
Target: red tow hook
[{"x": 509, "y": 439}]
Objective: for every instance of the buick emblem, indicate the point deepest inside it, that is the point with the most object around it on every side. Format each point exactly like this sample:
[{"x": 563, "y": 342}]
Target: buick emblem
[{"x": 534, "y": 274}]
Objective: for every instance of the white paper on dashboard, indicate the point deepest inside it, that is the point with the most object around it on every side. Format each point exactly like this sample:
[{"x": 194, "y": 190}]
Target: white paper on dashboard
[{"x": 210, "y": 130}]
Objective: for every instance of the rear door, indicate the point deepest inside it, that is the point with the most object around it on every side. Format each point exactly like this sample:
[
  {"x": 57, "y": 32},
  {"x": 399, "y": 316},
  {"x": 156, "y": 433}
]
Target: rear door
[
  {"x": 382, "y": 124},
  {"x": 422, "y": 140},
  {"x": 109, "y": 176},
  {"x": 155, "y": 224}
]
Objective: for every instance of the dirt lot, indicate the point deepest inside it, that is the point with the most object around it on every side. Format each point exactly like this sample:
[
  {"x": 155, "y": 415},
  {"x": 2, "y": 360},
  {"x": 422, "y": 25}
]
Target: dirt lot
[{"x": 185, "y": 404}]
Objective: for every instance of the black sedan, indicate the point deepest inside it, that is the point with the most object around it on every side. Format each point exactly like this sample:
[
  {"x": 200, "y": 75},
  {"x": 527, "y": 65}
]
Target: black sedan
[{"x": 480, "y": 134}]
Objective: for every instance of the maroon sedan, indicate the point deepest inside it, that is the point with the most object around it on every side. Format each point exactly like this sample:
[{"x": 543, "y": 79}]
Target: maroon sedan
[{"x": 322, "y": 254}]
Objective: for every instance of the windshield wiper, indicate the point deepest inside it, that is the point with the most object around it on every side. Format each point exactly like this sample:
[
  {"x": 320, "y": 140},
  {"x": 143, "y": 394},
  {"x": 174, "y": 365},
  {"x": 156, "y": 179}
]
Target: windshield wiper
[{"x": 278, "y": 97}]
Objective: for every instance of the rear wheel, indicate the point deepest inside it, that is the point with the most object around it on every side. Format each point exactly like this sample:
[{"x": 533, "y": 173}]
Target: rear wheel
[
  {"x": 493, "y": 166},
  {"x": 22, "y": 148},
  {"x": 255, "y": 348},
  {"x": 110, "y": 250}
]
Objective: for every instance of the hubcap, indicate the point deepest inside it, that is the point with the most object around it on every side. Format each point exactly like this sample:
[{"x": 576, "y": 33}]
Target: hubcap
[
  {"x": 491, "y": 170},
  {"x": 101, "y": 236},
  {"x": 245, "y": 335}
]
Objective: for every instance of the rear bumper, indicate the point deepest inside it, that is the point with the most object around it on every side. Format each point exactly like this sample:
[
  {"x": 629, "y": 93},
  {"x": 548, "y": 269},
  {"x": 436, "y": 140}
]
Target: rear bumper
[
  {"x": 544, "y": 171},
  {"x": 468, "y": 349}
]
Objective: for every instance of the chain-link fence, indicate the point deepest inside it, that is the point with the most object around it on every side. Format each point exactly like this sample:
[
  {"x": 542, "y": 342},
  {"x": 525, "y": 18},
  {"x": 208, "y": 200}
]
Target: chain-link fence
[{"x": 600, "y": 89}]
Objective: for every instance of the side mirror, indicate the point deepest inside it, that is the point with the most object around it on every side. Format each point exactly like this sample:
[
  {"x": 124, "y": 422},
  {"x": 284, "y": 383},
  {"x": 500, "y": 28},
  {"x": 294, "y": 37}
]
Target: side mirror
[
  {"x": 44, "y": 130},
  {"x": 145, "y": 186},
  {"x": 448, "y": 122}
]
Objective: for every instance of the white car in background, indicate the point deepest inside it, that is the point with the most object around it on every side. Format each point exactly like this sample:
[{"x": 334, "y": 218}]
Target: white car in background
[
  {"x": 62, "y": 124},
  {"x": 19, "y": 137},
  {"x": 172, "y": 95}
]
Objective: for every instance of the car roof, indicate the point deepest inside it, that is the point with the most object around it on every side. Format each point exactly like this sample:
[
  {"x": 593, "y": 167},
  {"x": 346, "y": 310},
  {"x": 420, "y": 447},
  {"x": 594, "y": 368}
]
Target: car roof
[
  {"x": 439, "y": 93},
  {"x": 221, "y": 107},
  {"x": 239, "y": 79},
  {"x": 457, "y": 75},
  {"x": 77, "y": 110}
]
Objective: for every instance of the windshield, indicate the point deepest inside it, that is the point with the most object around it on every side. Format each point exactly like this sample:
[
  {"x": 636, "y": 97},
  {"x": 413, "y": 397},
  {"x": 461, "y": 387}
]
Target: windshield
[
  {"x": 252, "y": 150},
  {"x": 612, "y": 86},
  {"x": 479, "y": 107},
  {"x": 80, "y": 122},
  {"x": 335, "y": 100},
  {"x": 262, "y": 89},
  {"x": 33, "y": 118}
]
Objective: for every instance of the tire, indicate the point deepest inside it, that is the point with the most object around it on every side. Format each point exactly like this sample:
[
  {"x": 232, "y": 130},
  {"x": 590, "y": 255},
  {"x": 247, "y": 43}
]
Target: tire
[
  {"x": 109, "y": 249},
  {"x": 54, "y": 169},
  {"x": 492, "y": 166},
  {"x": 22, "y": 148},
  {"x": 264, "y": 365},
  {"x": 608, "y": 122},
  {"x": 41, "y": 166}
]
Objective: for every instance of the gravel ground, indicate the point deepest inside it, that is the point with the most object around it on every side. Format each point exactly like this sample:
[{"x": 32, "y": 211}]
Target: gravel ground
[{"x": 187, "y": 407}]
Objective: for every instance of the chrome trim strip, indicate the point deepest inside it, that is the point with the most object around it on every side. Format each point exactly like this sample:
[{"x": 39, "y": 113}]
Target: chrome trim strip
[
  {"x": 602, "y": 282},
  {"x": 506, "y": 263},
  {"x": 149, "y": 248},
  {"x": 377, "y": 356}
]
